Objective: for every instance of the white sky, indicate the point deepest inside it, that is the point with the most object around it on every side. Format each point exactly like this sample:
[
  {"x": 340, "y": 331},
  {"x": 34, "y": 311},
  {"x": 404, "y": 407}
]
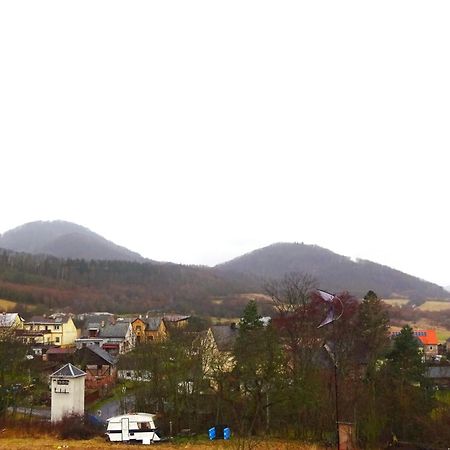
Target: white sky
[{"x": 195, "y": 131}]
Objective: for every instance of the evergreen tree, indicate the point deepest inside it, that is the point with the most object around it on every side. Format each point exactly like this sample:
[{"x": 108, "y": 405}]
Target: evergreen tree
[{"x": 405, "y": 392}]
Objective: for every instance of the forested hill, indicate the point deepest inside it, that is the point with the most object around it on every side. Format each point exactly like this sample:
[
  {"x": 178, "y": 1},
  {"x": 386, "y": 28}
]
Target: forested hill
[
  {"x": 45, "y": 283},
  {"x": 64, "y": 240},
  {"x": 334, "y": 272}
]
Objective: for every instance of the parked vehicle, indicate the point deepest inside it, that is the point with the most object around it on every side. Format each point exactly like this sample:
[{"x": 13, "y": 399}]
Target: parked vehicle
[{"x": 133, "y": 427}]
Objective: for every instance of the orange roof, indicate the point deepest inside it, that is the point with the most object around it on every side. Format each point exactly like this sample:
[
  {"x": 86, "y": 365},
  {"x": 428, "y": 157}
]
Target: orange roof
[{"x": 428, "y": 337}]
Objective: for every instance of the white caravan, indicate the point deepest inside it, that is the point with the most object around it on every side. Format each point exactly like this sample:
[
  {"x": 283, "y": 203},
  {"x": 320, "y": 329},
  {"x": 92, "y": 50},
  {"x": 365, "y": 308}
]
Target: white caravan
[{"x": 132, "y": 427}]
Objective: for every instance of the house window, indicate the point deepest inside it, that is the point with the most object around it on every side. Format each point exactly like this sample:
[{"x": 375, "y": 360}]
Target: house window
[
  {"x": 56, "y": 327},
  {"x": 57, "y": 339},
  {"x": 431, "y": 347}
]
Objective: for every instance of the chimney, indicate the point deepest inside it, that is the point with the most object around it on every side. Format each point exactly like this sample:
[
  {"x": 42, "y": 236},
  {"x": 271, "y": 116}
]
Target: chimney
[{"x": 102, "y": 324}]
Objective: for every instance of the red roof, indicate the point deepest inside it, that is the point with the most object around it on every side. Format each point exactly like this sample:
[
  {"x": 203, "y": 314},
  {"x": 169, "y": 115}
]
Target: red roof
[{"x": 427, "y": 337}]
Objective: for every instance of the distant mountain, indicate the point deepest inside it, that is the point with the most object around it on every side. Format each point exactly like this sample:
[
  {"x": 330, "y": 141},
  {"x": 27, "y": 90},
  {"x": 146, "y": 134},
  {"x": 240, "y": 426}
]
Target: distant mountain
[
  {"x": 334, "y": 272},
  {"x": 64, "y": 240}
]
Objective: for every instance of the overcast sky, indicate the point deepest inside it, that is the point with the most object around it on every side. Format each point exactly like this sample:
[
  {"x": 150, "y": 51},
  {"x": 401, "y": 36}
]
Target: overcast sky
[{"x": 195, "y": 131}]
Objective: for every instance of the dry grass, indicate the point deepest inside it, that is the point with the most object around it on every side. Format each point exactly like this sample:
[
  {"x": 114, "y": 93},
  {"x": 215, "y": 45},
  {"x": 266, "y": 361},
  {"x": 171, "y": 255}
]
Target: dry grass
[
  {"x": 7, "y": 305},
  {"x": 48, "y": 442},
  {"x": 434, "y": 305},
  {"x": 257, "y": 297},
  {"x": 396, "y": 301}
]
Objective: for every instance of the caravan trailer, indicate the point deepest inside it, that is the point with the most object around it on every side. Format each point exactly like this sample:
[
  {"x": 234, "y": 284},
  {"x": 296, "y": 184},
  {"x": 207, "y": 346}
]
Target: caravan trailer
[{"x": 132, "y": 427}]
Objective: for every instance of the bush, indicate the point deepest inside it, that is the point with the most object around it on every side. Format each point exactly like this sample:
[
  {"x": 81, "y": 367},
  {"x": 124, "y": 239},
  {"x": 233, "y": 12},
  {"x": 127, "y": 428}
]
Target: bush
[{"x": 77, "y": 427}]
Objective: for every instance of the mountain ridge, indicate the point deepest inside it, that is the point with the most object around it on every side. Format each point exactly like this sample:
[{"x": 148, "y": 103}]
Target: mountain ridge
[
  {"x": 64, "y": 240},
  {"x": 333, "y": 271}
]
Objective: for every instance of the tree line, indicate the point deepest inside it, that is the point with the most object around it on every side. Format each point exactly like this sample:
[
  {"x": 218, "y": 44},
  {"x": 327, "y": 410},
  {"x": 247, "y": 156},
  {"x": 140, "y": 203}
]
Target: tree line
[
  {"x": 50, "y": 283},
  {"x": 293, "y": 379}
]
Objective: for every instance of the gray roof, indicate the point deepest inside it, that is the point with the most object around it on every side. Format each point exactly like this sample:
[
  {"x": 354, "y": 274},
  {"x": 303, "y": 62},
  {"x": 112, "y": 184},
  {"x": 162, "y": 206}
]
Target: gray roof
[
  {"x": 153, "y": 323},
  {"x": 224, "y": 335},
  {"x": 118, "y": 330},
  {"x": 68, "y": 371},
  {"x": 8, "y": 319},
  {"x": 125, "y": 319},
  {"x": 103, "y": 354},
  {"x": 47, "y": 320},
  {"x": 438, "y": 372},
  {"x": 175, "y": 317}
]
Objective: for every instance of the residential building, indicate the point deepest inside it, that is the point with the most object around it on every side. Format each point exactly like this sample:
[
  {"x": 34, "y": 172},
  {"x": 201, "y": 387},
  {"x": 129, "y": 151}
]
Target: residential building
[
  {"x": 117, "y": 338},
  {"x": 99, "y": 365},
  {"x": 428, "y": 340},
  {"x": 149, "y": 329},
  {"x": 10, "y": 321},
  {"x": 60, "y": 331},
  {"x": 176, "y": 320}
]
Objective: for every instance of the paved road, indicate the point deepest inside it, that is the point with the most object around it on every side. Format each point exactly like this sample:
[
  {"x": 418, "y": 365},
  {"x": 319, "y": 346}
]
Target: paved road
[
  {"x": 116, "y": 407},
  {"x": 37, "y": 412}
]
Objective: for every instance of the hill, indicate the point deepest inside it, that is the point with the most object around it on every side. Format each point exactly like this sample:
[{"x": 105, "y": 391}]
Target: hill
[
  {"x": 45, "y": 283},
  {"x": 64, "y": 240},
  {"x": 334, "y": 272}
]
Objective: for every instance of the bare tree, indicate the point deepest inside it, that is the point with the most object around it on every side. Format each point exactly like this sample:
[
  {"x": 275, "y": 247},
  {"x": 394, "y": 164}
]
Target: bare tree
[{"x": 291, "y": 293}]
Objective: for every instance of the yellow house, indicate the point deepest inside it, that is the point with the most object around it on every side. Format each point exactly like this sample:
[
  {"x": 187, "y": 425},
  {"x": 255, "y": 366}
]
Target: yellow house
[
  {"x": 60, "y": 331},
  {"x": 149, "y": 329}
]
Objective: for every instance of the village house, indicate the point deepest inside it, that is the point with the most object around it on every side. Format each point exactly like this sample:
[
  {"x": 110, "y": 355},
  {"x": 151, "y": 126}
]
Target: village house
[
  {"x": 10, "y": 322},
  {"x": 224, "y": 337},
  {"x": 59, "y": 331},
  {"x": 100, "y": 367},
  {"x": 428, "y": 342},
  {"x": 59, "y": 354},
  {"x": 439, "y": 375},
  {"x": 117, "y": 338},
  {"x": 149, "y": 329},
  {"x": 176, "y": 320}
]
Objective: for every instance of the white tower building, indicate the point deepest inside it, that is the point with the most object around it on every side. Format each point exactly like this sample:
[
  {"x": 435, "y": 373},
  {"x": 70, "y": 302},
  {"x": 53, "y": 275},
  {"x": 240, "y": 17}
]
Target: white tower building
[{"x": 67, "y": 385}]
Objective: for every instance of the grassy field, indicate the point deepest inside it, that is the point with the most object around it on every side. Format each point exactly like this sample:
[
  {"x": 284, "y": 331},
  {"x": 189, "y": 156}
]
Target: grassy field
[
  {"x": 396, "y": 301},
  {"x": 7, "y": 305},
  {"x": 434, "y": 305},
  {"x": 48, "y": 442}
]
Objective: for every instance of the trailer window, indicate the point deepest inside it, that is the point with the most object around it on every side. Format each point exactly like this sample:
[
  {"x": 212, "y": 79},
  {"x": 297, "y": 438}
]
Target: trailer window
[{"x": 144, "y": 426}]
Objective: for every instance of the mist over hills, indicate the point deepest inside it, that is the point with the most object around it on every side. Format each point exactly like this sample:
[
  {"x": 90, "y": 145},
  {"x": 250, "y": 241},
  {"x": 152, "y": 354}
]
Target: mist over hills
[
  {"x": 64, "y": 240},
  {"x": 333, "y": 272}
]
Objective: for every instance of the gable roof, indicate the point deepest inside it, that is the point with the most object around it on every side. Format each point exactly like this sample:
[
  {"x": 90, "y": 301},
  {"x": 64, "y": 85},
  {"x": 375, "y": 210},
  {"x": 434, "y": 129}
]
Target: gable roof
[
  {"x": 118, "y": 330},
  {"x": 48, "y": 320},
  {"x": 8, "y": 319},
  {"x": 153, "y": 323},
  {"x": 68, "y": 371},
  {"x": 427, "y": 337},
  {"x": 98, "y": 351}
]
